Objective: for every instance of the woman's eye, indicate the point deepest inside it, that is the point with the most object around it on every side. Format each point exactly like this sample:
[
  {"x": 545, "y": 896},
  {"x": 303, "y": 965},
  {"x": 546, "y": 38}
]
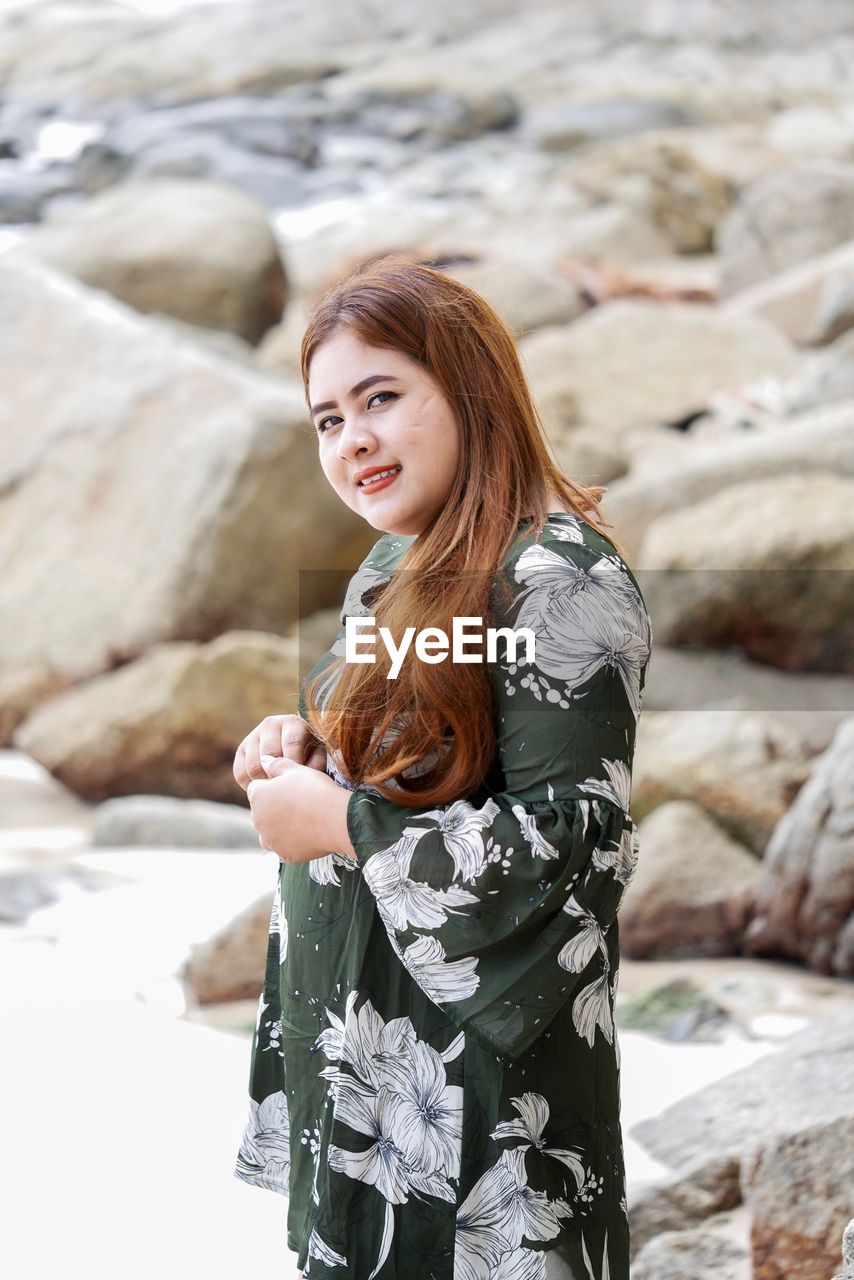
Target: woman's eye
[{"x": 322, "y": 427}]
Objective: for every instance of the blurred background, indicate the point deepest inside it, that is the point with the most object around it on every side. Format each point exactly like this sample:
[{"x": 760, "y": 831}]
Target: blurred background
[{"x": 659, "y": 199}]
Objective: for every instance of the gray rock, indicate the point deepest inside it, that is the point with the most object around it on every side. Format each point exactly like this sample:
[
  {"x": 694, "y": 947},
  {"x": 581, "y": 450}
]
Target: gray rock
[
  {"x": 739, "y": 570},
  {"x": 230, "y": 965},
  {"x": 799, "y": 1188},
  {"x": 683, "y": 1201},
  {"x": 168, "y": 724},
  {"x": 633, "y": 361},
  {"x": 559, "y": 128},
  {"x": 699, "y": 1253},
  {"x": 805, "y": 896},
  {"x": 163, "y": 822},
  {"x": 807, "y": 1079},
  {"x": 693, "y": 890},
  {"x": 156, "y": 483},
  {"x": 785, "y": 218},
  {"x": 742, "y": 767},
  {"x": 681, "y": 474},
  {"x": 203, "y": 252}
]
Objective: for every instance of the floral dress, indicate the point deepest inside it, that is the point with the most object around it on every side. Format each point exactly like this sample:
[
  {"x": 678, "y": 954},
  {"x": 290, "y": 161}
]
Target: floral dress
[{"x": 435, "y": 1071}]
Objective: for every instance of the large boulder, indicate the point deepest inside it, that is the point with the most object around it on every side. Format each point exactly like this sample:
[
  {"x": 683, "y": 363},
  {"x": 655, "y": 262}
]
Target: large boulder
[
  {"x": 178, "y": 494},
  {"x": 806, "y": 894},
  {"x": 764, "y": 565},
  {"x": 807, "y": 1079},
  {"x": 694, "y": 888},
  {"x": 680, "y": 474},
  {"x": 799, "y": 1188},
  {"x": 163, "y": 822},
  {"x": 168, "y": 724},
  {"x": 230, "y": 965},
  {"x": 807, "y": 300},
  {"x": 632, "y": 361},
  {"x": 784, "y": 218},
  {"x": 202, "y": 251},
  {"x": 743, "y": 767}
]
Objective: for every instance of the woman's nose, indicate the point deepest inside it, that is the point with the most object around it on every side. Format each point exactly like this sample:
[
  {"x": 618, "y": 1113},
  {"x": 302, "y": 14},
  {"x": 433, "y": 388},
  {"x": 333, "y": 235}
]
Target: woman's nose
[{"x": 354, "y": 440}]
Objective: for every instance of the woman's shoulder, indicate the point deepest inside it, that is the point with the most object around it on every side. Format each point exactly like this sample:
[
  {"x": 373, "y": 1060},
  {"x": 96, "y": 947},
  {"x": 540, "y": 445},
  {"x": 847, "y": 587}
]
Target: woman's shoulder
[{"x": 568, "y": 553}]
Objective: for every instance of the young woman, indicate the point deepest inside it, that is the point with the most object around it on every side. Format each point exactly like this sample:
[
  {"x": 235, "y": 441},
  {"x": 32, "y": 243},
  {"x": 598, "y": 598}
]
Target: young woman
[{"x": 435, "y": 1070}]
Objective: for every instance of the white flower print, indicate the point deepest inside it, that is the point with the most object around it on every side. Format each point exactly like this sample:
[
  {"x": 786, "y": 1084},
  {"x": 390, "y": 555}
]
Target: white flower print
[
  {"x": 410, "y": 903},
  {"x": 322, "y": 870},
  {"x": 618, "y": 787},
  {"x": 461, "y": 827},
  {"x": 279, "y": 924},
  {"x": 605, "y": 1271},
  {"x": 443, "y": 980},
  {"x": 317, "y": 1248},
  {"x": 540, "y": 847},
  {"x": 396, "y": 1094},
  {"x": 533, "y": 1117},
  {"x": 622, "y": 859},
  {"x": 576, "y": 954},
  {"x": 591, "y": 1009},
  {"x": 264, "y": 1158},
  {"x": 583, "y": 619},
  {"x": 499, "y": 1210}
]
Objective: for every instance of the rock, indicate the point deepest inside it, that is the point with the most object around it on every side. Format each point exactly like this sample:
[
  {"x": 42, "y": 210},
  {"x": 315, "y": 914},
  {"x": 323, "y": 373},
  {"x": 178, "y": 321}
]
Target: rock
[
  {"x": 315, "y": 635},
  {"x": 633, "y": 362},
  {"x": 806, "y": 893},
  {"x": 203, "y": 252},
  {"x": 701, "y": 1254},
  {"x": 682, "y": 1201},
  {"x": 694, "y": 888},
  {"x": 800, "y": 1190},
  {"x": 585, "y": 456},
  {"x": 279, "y": 349},
  {"x": 23, "y": 194},
  {"x": 810, "y": 131},
  {"x": 177, "y": 494},
  {"x": 807, "y": 1079},
  {"x": 230, "y": 965},
  {"x": 812, "y": 302},
  {"x": 613, "y": 233},
  {"x": 27, "y": 884},
  {"x": 71, "y": 54},
  {"x": 826, "y": 378},
  {"x": 683, "y": 473},
  {"x": 525, "y": 299},
  {"x": 663, "y": 183},
  {"x": 847, "y": 1272},
  {"x": 271, "y": 181},
  {"x": 713, "y": 586},
  {"x": 678, "y": 1010},
  {"x": 242, "y": 124},
  {"x": 806, "y": 707},
  {"x": 572, "y": 124},
  {"x": 167, "y": 724},
  {"x": 784, "y": 218},
  {"x": 161, "y": 822},
  {"x": 743, "y": 768}
]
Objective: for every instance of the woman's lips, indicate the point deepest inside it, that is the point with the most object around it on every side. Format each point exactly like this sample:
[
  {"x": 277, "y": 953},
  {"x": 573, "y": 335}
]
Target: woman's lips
[{"x": 373, "y": 486}]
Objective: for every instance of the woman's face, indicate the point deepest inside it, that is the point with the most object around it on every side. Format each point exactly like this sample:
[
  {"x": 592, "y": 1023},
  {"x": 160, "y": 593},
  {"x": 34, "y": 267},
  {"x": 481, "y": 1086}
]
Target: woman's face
[{"x": 401, "y": 421}]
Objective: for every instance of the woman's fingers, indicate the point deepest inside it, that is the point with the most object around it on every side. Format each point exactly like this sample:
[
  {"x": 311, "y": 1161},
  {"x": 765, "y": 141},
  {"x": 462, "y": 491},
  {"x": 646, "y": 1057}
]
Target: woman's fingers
[{"x": 287, "y": 735}]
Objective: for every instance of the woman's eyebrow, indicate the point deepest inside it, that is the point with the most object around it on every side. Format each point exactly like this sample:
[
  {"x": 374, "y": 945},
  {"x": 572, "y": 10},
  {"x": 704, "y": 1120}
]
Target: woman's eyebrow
[{"x": 359, "y": 387}]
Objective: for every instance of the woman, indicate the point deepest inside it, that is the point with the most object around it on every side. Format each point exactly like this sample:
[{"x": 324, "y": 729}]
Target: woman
[{"x": 435, "y": 1071}]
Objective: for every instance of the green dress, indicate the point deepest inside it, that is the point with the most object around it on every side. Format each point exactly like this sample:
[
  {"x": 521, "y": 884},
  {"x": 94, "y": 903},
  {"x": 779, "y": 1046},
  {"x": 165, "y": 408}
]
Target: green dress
[{"x": 434, "y": 1077}]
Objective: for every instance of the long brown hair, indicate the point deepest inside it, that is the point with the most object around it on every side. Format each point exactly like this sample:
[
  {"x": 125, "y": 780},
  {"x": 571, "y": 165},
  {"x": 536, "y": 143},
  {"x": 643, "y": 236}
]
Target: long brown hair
[{"x": 403, "y": 302}]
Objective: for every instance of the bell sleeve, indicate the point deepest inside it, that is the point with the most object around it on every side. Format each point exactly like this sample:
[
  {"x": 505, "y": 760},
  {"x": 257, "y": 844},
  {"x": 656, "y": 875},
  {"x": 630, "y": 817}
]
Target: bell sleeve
[{"x": 498, "y": 903}]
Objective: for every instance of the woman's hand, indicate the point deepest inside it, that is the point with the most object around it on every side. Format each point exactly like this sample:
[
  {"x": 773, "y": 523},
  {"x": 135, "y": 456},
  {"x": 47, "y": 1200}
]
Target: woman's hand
[
  {"x": 298, "y": 812},
  {"x": 285, "y": 737}
]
